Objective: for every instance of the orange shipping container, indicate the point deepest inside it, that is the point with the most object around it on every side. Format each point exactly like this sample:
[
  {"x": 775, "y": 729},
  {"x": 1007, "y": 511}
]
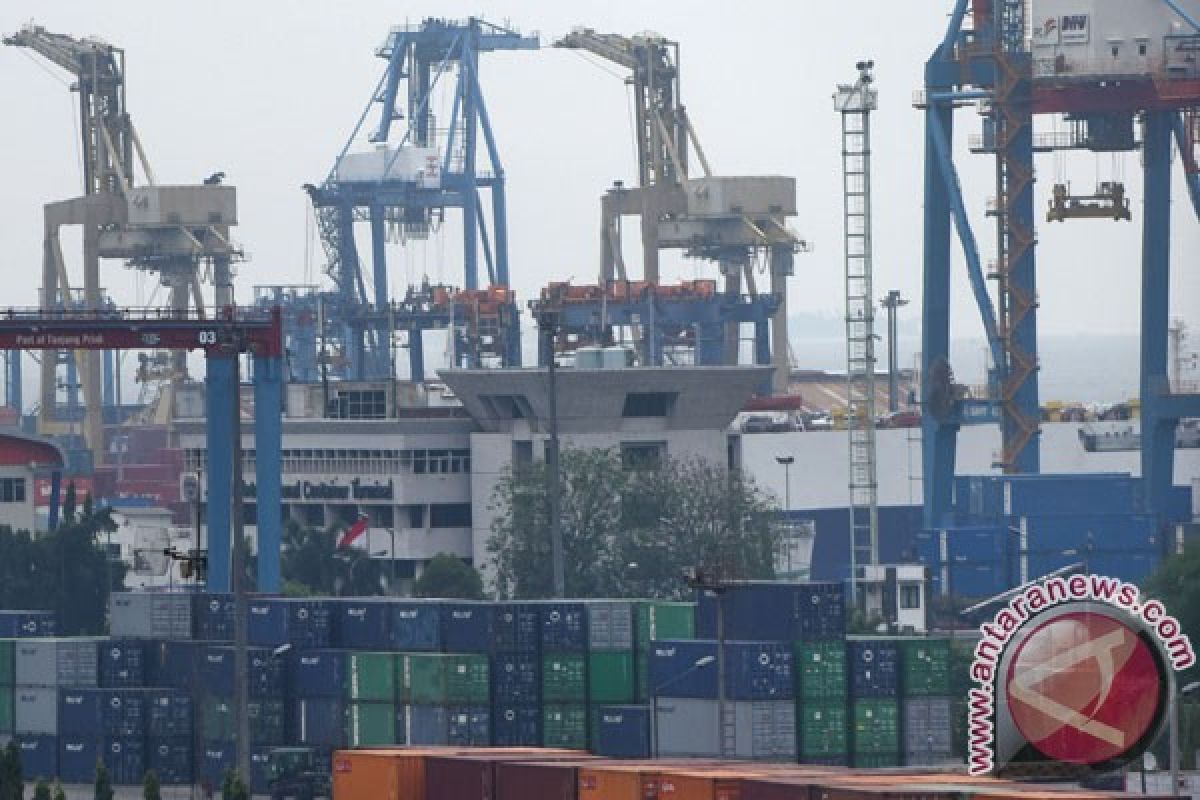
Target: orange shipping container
[
  {"x": 619, "y": 782},
  {"x": 679, "y": 785}
]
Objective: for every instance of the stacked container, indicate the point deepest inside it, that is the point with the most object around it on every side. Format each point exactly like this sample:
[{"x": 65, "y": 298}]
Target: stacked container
[
  {"x": 371, "y": 700},
  {"x": 874, "y": 668},
  {"x": 821, "y": 699},
  {"x": 41, "y": 668},
  {"x": 302, "y": 623},
  {"x": 659, "y": 620},
  {"x": 27, "y": 624},
  {"x": 169, "y": 730},
  {"x": 444, "y": 698},
  {"x": 150, "y": 615},
  {"x": 216, "y": 713},
  {"x": 319, "y": 681},
  {"x": 925, "y": 666},
  {"x": 516, "y": 672},
  {"x": 102, "y": 724},
  {"x": 564, "y": 648}
]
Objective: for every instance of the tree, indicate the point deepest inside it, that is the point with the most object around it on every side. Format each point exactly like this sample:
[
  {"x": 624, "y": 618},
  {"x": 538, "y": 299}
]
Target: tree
[
  {"x": 103, "y": 787},
  {"x": 233, "y": 787},
  {"x": 629, "y": 528},
  {"x": 59, "y": 792},
  {"x": 70, "y": 502},
  {"x": 449, "y": 576},
  {"x": 1177, "y": 584},
  {"x": 12, "y": 780},
  {"x": 151, "y": 790},
  {"x": 312, "y": 564},
  {"x": 41, "y": 790}
]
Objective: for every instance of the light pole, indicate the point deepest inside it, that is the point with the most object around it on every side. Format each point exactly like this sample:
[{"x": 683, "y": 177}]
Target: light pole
[
  {"x": 892, "y": 302},
  {"x": 1173, "y": 724},
  {"x": 787, "y": 462},
  {"x": 548, "y": 330},
  {"x": 701, "y": 662}
]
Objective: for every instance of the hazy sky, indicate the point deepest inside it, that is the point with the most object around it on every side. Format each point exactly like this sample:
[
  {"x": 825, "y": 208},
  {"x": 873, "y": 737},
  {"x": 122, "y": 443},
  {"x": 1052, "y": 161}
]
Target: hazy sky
[{"x": 269, "y": 91}]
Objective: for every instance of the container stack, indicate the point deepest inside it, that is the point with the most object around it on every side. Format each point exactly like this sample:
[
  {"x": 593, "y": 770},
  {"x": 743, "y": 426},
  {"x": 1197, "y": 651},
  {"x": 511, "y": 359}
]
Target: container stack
[
  {"x": 216, "y": 713},
  {"x": 444, "y": 698},
  {"x": 925, "y": 665},
  {"x": 564, "y": 645},
  {"x": 370, "y": 709},
  {"x": 41, "y": 669},
  {"x": 874, "y": 702},
  {"x": 822, "y": 730},
  {"x": 516, "y": 675},
  {"x": 7, "y": 681}
]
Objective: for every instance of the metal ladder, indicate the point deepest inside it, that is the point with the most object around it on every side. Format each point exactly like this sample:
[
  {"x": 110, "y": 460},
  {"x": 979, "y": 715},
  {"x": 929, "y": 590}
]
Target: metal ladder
[
  {"x": 728, "y": 730},
  {"x": 855, "y": 104}
]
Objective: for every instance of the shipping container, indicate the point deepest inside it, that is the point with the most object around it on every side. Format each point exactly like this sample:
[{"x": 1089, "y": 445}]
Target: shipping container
[
  {"x": 874, "y": 667},
  {"x": 362, "y": 624},
  {"x": 218, "y": 720},
  {"x": 172, "y": 663},
  {"x": 57, "y": 662},
  {"x": 370, "y": 724},
  {"x": 416, "y": 626},
  {"x": 564, "y": 626},
  {"x": 611, "y": 624},
  {"x": 764, "y": 730},
  {"x": 303, "y": 623},
  {"x": 685, "y": 785},
  {"x": 543, "y": 780},
  {"x": 469, "y": 726},
  {"x": 822, "y": 729},
  {"x": 877, "y": 760},
  {"x": 212, "y": 617},
  {"x": 820, "y": 670},
  {"x": 565, "y": 726},
  {"x": 39, "y": 755},
  {"x": 125, "y": 758},
  {"x": 660, "y": 619},
  {"x": 876, "y": 727},
  {"x": 516, "y": 678},
  {"x": 618, "y": 781},
  {"x": 423, "y": 725},
  {"x": 460, "y": 777},
  {"x": 516, "y": 628},
  {"x": 621, "y": 731},
  {"x": 123, "y": 663},
  {"x": 318, "y": 673},
  {"x": 516, "y": 725},
  {"x": 7, "y": 652},
  {"x": 77, "y": 756},
  {"x": 443, "y": 678},
  {"x": 215, "y": 671},
  {"x": 775, "y": 611},
  {"x": 928, "y": 730},
  {"x": 319, "y": 721},
  {"x": 169, "y": 714},
  {"x": 171, "y": 760},
  {"x": 35, "y": 710},
  {"x": 753, "y": 670},
  {"x": 150, "y": 615},
  {"x": 379, "y": 774},
  {"x": 925, "y": 666},
  {"x": 102, "y": 712},
  {"x": 610, "y": 677},
  {"x": 215, "y": 759},
  {"x": 564, "y": 678},
  {"x": 26, "y": 624},
  {"x": 676, "y": 669},
  {"x": 468, "y": 627},
  {"x": 371, "y": 677}
]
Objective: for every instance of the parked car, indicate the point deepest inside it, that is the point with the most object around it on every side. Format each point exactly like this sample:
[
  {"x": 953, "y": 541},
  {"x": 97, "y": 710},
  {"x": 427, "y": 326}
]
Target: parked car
[{"x": 900, "y": 419}]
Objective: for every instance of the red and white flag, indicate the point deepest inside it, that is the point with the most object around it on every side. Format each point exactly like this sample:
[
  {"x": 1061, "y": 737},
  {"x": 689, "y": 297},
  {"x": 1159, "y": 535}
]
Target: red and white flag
[{"x": 353, "y": 532}]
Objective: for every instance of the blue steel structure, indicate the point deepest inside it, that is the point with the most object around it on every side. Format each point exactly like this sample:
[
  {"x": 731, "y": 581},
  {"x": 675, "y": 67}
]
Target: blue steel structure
[
  {"x": 991, "y": 62},
  {"x": 431, "y": 167},
  {"x": 224, "y": 338}
]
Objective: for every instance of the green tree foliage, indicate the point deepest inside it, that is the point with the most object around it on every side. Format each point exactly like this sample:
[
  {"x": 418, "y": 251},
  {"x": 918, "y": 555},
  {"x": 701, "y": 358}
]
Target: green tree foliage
[
  {"x": 41, "y": 790},
  {"x": 233, "y": 787},
  {"x": 103, "y": 787},
  {"x": 629, "y": 530},
  {"x": 1177, "y": 584},
  {"x": 12, "y": 780},
  {"x": 312, "y": 564},
  {"x": 151, "y": 789},
  {"x": 449, "y": 576},
  {"x": 66, "y": 571},
  {"x": 59, "y": 792}
]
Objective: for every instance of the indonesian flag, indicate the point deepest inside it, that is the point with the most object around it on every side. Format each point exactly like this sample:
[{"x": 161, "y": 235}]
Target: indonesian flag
[{"x": 353, "y": 532}]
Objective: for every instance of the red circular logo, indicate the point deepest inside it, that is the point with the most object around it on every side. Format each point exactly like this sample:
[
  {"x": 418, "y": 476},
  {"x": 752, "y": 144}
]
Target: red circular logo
[{"x": 1084, "y": 688}]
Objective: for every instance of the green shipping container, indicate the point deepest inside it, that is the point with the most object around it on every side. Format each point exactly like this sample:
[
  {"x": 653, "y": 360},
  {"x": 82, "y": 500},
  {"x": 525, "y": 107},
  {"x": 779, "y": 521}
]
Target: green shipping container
[
  {"x": 659, "y": 619},
  {"x": 6, "y": 710},
  {"x": 565, "y": 726},
  {"x": 218, "y": 721},
  {"x": 370, "y": 724},
  {"x": 7, "y": 665},
  {"x": 876, "y": 727},
  {"x": 642, "y": 666},
  {"x": 820, "y": 670},
  {"x": 877, "y": 760},
  {"x": 962, "y": 654},
  {"x": 371, "y": 677},
  {"x": 925, "y": 666},
  {"x": 564, "y": 678},
  {"x": 443, "y": 678},
  {"x": 822, "y": 729},
  {"x": 610, "y": 677}
]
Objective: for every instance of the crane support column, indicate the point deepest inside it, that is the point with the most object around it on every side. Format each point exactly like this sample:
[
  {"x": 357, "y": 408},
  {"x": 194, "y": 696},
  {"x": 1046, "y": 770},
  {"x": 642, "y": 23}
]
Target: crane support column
[
  {"x": 268, "y": 468},
  {"x": 219, "y": 435},
  {"x": 1158, "y": 424}
]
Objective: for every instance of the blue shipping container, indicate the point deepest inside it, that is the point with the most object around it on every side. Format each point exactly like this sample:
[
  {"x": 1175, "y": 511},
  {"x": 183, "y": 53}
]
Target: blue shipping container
[
  {"x": 362, "y": 624},
  {"x": 212, "y": 617},
  {"x": 1095, "y": 493},
  {"x": 318, "y": 721},
  {"x": 122, "y": 663},
  {"x": 303, "y": 623},
  {"x": 564, "y": 626},
  {"x": 469, "y": 726},
  {"x": 102, "y": 712},
  {"x": 416, "y": 626},
  {"x": 125, "y": 757},
  {"x": 172, "y": 663},
  {"x": 516, "y": 726},
  {"x": 753, "y": 670},
  {"x": 39, "y": 756},
  {"x": 621, "y": 732},
  {"x": 24, "y": 624},
  {"x": 215, "y": 671},
  {"x": 467, "y": 627},
  {"x": 423, "y": 724},
  {"x": 516, "y": 628},
  {"x": 874, "y": 668},
  {"x": 216, "y": 758},
  {"x": 171, "y": 760},
  {"x": 77, "y": 756},
  {"x": 769, "y": 611},
  {"x": 169, "y": 714},
  {"x": 318, "y": 673},
  {"x": 516, "y": 679}
]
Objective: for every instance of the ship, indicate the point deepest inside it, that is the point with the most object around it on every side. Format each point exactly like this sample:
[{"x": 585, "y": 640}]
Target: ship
[{"x": 1128, "y": 437}]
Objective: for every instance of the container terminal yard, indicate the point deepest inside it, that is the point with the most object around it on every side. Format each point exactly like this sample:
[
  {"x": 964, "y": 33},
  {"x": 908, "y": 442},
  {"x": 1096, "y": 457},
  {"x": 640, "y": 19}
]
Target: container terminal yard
[{"x": 392, "y": 384}]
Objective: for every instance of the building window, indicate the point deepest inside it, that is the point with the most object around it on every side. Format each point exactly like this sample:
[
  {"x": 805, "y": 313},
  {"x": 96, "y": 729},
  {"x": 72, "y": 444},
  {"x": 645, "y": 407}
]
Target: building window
[
  {"x": 359, "y": 404},
  {"x": 643, "y": 455},
  {"x": 12, "y": 490},
  {"x": 910, "y": 596},
  {"x": 450, "y": 515},
  {"x": 648, "y": 404}
]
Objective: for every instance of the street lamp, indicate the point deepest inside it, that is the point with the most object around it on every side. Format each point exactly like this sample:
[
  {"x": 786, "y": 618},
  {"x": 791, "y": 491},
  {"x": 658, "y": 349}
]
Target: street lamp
[
  {"x": 701, "y": 663},
  {"x": 787, "y": 462}
]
